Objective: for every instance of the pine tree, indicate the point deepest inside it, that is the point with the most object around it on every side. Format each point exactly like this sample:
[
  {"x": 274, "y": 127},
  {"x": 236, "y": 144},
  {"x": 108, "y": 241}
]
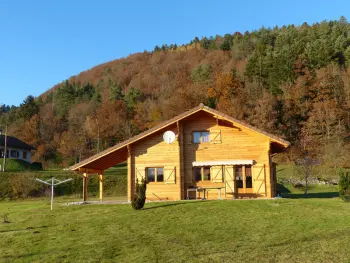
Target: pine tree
[
  {"x": 139, "y": 198},
  {"x": 344, "y": 185}
]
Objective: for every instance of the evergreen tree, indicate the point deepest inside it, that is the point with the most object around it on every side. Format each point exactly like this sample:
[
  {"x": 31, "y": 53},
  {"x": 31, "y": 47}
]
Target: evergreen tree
[
  {"x": 201, "y": 74},
  {"x": 131, "y": 96},
  {"x": 116, "y": 92},
  {"x": 28, "y": 108},
  {"x": 227, "y": 43},
  {"x": 139, "y": 198},
  {"x": 344, "y": 185}
]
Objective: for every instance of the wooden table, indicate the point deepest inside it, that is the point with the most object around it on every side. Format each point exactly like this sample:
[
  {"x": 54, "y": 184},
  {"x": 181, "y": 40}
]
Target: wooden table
[{"x": 204, "y": 189}]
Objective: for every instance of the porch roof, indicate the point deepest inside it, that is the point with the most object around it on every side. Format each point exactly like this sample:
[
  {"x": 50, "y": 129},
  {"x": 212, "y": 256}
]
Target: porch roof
[{"x": 223, "y": 162}]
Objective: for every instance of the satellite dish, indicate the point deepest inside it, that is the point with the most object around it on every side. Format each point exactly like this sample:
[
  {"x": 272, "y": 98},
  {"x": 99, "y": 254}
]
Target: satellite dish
[{"x": 169, "y": 137}]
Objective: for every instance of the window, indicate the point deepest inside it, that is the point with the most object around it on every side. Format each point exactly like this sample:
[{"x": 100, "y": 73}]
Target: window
[
  {"x": 202, "y": 173},
  {"x": 14, "y": 153},
  {"x": 201, "y": 137},
  {"x": 155, "y": 174},
  {"x": 24, "y": 155},
  {"x": 198, "y": 174},
  {"x": 160, "y": 175},
  {"x": 206, "y": 173},
  {"x": 248, "y": 177},
  {"x": 239, "y": 176}
]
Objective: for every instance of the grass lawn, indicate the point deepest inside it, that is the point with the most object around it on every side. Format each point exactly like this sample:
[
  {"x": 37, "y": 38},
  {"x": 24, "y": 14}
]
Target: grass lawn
[{"x": 281, "y": 230}]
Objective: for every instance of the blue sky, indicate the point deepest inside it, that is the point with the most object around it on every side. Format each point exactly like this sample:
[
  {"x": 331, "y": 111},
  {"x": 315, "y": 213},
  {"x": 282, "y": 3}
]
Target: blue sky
[{"x": 45, "y": 42}]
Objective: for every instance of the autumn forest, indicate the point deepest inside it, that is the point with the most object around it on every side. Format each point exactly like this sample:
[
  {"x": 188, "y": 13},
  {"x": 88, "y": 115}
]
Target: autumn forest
[{"x": 292, "y": 81}]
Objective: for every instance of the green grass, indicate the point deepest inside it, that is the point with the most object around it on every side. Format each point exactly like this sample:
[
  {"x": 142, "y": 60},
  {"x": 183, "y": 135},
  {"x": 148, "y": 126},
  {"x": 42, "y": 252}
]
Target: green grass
[
  {"x": 314, "y": 191},
  {"x": 283, "y": 230}
]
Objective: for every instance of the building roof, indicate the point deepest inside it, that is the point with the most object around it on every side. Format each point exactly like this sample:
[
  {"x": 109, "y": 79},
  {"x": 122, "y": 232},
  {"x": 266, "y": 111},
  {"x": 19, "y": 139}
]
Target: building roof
[
  {"x": 201, "y": 107},
  {"x": 13, "y": 142}
]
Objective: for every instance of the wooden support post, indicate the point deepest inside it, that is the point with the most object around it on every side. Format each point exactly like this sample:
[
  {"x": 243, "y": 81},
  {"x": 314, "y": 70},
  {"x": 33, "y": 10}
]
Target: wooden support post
[
  {"x": 100, "y": 179},
  {"x": 130, "y": 179},
  {"x": 235, "y": 188},
  {"x": 244, "y": 179},
  {"x": 179, "y": 172},
  {"x": 85, "y": 187}
]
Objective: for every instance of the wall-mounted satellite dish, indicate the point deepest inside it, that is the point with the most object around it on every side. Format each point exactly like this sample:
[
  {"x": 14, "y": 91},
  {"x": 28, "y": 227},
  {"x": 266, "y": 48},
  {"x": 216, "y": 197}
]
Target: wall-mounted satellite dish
[{"x": 169, "y": 137}]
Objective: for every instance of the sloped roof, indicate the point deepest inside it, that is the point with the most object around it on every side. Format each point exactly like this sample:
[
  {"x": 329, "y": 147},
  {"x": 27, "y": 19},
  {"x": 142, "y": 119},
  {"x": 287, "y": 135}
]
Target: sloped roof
[
  {"x": 201, "y": 107},
  {"x": 13, "y": 142}
]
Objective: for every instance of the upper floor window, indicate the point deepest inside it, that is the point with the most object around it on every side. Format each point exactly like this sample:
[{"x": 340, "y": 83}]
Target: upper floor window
[
  {"x": 201, "y": 136},
  {"x": 155, "y": 174}
]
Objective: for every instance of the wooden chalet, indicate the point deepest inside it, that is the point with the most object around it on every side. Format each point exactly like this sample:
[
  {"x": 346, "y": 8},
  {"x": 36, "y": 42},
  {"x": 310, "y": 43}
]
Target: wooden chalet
[{"x": 213, "y": 156}]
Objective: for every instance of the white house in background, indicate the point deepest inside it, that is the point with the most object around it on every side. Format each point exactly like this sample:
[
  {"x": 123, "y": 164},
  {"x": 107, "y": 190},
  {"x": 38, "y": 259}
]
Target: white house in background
[{"x": 16, "y": 149}]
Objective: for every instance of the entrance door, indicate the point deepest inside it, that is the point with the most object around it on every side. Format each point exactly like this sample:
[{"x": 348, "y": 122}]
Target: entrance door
[
  {"x": 244, "y": 179},
  {"x": 230, "y": 186}
]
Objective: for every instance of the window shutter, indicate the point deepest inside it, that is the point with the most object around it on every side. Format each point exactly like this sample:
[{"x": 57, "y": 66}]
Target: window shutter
[
  {"x": 216, "y": 174},
  {"x": 215, "y": 136},
  {"x": 140, "y": 173},
  {"x": 170, "y": 174},
  {"x": 230, "y": 187}
]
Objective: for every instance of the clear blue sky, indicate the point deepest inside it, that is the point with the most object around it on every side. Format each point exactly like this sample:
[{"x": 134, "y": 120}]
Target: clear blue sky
[{"x": 45, "y": 42}]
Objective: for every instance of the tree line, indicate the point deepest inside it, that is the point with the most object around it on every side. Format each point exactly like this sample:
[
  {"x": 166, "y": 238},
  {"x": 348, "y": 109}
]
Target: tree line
[{"x": 292, "y": 81}]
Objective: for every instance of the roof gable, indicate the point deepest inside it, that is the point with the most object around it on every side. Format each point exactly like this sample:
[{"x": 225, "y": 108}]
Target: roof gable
[
  {"x": 163, "y": 125},
  {"x": 13, "y": 142}
]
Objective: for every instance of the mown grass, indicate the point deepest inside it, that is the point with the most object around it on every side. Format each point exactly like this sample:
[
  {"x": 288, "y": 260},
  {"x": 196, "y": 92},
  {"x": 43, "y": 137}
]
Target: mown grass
[
  {"x": 313, "y": 228},
  {"x": 281, "y": 230}
]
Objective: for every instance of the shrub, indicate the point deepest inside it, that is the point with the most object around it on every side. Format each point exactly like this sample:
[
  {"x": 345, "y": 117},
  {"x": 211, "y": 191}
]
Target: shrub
[
  {"x": 139, "y": 199},
  {"x": 298, "y": 185},
  {"x": 36, "y": 166},
  {"x": 344, "y": 185},
  {"x": 16, "y": 165}
]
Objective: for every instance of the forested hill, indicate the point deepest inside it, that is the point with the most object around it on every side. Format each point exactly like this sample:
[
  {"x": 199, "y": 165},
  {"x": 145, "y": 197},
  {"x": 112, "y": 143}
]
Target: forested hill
[{"x": 293, "y": 81}]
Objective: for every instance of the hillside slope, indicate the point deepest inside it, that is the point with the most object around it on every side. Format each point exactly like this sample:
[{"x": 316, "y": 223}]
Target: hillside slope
[{"x": 290, "y": 81}]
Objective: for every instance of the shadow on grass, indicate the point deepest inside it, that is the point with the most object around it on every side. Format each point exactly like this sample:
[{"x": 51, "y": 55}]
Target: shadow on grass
[
  {"x": 165, "y": 204},
  {"x": 25, "y": 229},
  {"x": 311, "y": 195},
  {"x": 282, "y": 189},
  {"x": 286, "y": 193}
]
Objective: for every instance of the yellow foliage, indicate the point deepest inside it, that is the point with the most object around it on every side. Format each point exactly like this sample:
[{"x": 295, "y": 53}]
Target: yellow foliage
[{"x": 211, "y": 93}]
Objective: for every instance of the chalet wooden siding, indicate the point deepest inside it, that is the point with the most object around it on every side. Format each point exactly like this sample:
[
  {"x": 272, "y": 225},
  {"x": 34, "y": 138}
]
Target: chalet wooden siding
[
  {"x": 154, "y": 152},
  {"x": 235, "y": 144},
  {"x": 227, "y": 142},
  {"x": 237, "y": 157}
]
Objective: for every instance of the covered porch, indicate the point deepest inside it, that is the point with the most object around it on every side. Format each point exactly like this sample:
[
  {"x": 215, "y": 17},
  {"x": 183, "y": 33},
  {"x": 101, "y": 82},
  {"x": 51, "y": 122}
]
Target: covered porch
[{"x": 98, "y": 165}]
